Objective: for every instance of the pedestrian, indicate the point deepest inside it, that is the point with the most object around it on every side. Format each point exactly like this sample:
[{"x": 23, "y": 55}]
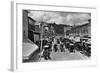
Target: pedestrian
[
  {"x": 55, "y": 47},
  {"x": 47, "y": 52},
  {"x": 58, "y": 41},
  {"x": 62, "y": 47}
]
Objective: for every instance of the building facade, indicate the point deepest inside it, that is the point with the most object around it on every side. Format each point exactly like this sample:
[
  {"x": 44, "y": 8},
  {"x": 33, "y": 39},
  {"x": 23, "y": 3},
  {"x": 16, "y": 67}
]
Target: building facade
[
  {"x": 33, "y": 30},
  {"x": 81, "y": 30}
]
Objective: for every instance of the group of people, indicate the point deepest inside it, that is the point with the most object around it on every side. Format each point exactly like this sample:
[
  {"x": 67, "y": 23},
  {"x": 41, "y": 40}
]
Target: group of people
[
  {"x": 49, "y": 45},
  {"x": 61, "y": 44}
]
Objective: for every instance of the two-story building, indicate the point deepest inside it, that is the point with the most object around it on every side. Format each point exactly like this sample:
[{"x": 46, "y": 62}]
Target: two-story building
[{"x": 81, "y": 30}]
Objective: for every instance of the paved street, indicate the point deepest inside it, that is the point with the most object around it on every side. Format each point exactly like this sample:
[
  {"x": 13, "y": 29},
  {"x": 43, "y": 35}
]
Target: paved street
[
  {"x": 67, "y": 56},
  {"x": 58, "y": 56}
]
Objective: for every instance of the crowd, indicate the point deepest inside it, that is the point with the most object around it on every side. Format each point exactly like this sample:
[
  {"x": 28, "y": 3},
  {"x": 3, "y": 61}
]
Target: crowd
[{"x": 55, "y": 44}]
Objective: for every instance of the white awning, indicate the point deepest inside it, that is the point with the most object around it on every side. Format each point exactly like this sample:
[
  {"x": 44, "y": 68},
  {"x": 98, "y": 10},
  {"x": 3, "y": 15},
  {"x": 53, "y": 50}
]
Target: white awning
[{"x": 28, "y": 49}]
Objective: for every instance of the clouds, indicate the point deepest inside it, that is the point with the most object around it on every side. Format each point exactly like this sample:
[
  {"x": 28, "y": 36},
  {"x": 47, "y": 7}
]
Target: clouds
[
  {"x": 67, "y": 18},
  {"x": 77, "y": 18}
]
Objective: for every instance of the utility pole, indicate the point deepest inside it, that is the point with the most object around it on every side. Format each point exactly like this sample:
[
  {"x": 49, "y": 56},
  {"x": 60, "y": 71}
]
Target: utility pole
[
  {"x": 65, "y": 32},
  {"x": 41, "y": 38}
]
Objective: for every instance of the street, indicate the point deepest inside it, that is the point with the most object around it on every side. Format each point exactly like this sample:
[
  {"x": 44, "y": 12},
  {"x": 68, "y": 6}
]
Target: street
[{"x": 58, "y": 56}]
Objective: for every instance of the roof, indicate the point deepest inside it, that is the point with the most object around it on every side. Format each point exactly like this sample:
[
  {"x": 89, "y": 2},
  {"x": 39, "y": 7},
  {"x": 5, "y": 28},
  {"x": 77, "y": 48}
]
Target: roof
[
  {"x": 32, "y": 19},
  {"x": 79, "y": 26}
]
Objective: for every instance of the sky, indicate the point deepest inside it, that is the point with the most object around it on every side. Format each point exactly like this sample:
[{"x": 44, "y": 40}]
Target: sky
[{"x": 67, "y": 18}]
